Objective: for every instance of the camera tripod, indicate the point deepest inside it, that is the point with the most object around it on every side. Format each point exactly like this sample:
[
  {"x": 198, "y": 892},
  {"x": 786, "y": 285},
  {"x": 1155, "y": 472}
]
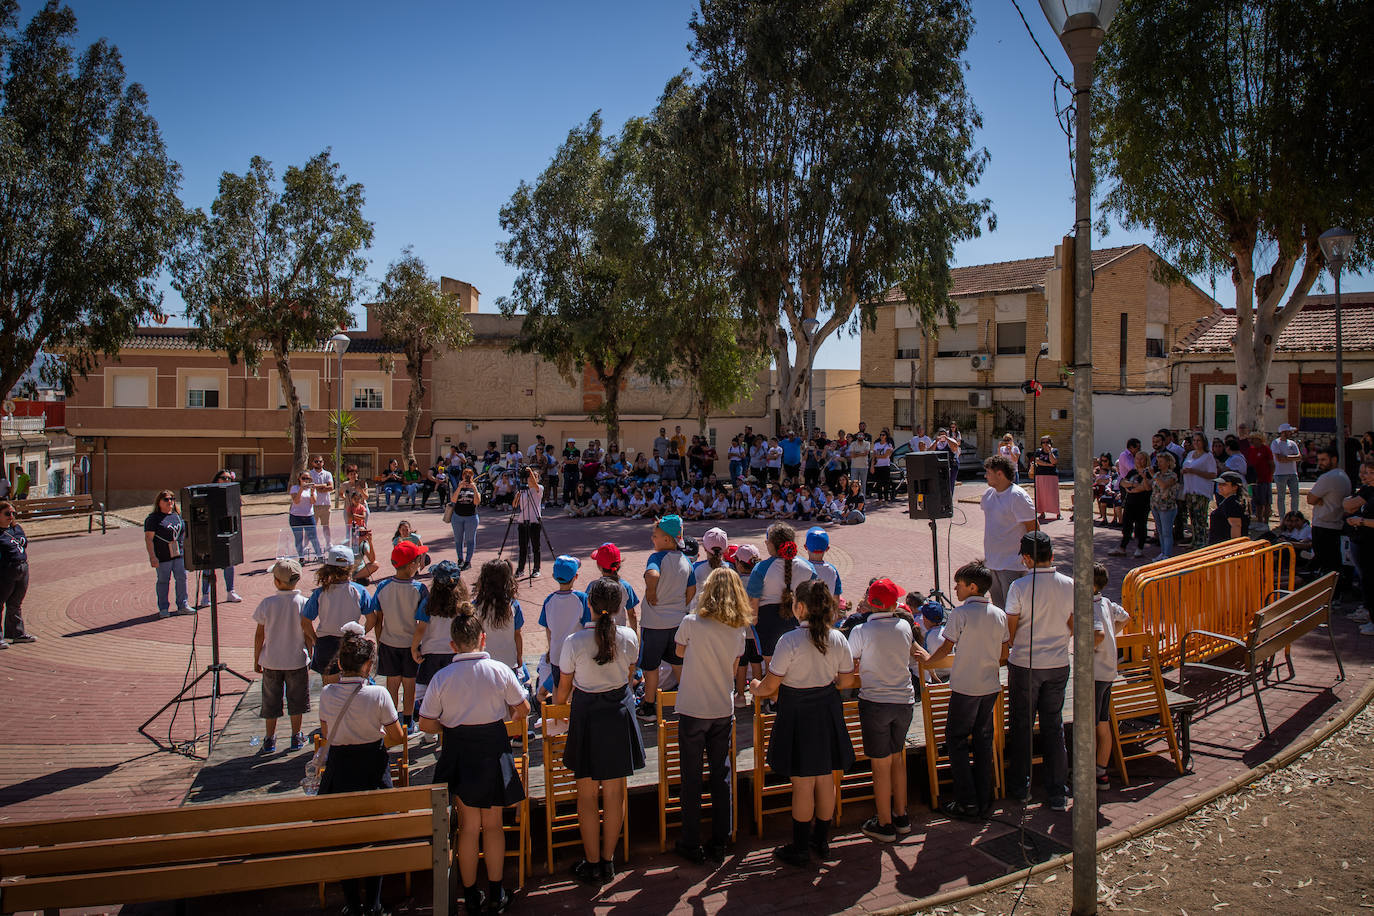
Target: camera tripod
[{"x": 510, "y": 520}]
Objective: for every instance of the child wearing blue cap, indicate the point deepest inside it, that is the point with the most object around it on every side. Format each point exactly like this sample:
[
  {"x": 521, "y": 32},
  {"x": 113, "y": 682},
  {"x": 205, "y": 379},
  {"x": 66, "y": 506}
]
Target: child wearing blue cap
[
  {"x": 565, "y": 612},
  {"x": 669, "y": 585},
  {"x": 817, "y": 543}
]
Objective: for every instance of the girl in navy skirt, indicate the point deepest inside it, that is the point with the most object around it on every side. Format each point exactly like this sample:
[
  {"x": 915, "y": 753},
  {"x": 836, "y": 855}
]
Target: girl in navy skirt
[
  {"x": 359, "y": 721},
  {"x": 604, "y": 746},
  {"x": 335, "y": 601},
  {"x": 430, "y": 644},
  {"x": 771, "y": 585},
  {"x": 469, "y": 700},
  {"x": 809, "y": 741}
]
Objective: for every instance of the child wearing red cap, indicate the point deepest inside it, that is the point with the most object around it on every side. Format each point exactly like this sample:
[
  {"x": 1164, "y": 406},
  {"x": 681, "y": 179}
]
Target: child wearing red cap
[
  {"x": 607, "y": 560},
  {"x": 395, "y": 604},
  {"x": 881, "y": 646}
]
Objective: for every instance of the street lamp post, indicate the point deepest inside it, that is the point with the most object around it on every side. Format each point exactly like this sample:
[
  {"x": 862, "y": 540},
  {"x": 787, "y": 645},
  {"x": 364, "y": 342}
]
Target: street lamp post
[
  {"x": 809, "y": 328},
  {"x": 1081, "y": 25},
  {"x": 339, "y": 344},
  {"x": 1336, "y": 244}
]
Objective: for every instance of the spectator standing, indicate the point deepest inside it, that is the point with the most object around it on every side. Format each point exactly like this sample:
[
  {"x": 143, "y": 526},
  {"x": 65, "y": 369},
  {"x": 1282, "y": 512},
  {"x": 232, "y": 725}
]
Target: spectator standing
[
  {"x": 1287, "y": 453},
  {"x": 1362, "y": 530},
  {"x": 1135, "y": 494},
  {"x": 301, "y": 516},
  {"x": 860, "y": 449},
  {"x": 1008, "y": 515},
  {"x": 465, "y": 500},
  {"x": 1125, "y": 462},
  {"x": 1045, "y": 466},
  {"x": 164, "y": 535},
  {"x": 572, "y": 471},
  {"x": 22, "y": 482},
  {"x": 1261, "y": 461},
  {"x": 1327, "y": 497},
  {"x": 791, "y": 445},
  {"x": 1009, "y": 450},
  {"x": 14, "y": 576},
  {"x": 944, "y": 442},
  {"x": 1164, "y": 492},
  {"x": 1199, "y": 470},
  {"x": 231, "y": 596},
  {"x": 529, "y": 524},
  {"x": 323, "y": 483},
  {"x": 1235, "y": 458},
  {"x": 1231, "y": 518}
]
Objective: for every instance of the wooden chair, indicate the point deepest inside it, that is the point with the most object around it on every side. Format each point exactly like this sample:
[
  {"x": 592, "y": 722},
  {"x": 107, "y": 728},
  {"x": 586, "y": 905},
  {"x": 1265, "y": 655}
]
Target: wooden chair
[
  {"x": 856, "y": 785},
  {"x": 935, "y": 713},
  {"x": 763, "y": 787},
  {"x": 1139, "y": 709},
  {"x": 560, "y": 790},
  {"x": 670, "y": 773},
  {"x": 519, "y": 830}
]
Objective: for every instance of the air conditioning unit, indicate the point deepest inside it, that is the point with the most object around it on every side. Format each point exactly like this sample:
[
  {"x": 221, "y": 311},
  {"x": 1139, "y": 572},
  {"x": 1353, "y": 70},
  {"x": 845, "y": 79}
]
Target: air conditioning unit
[
  {"x": 981, "y": 361},
  {"x": 980, "y": 399}
]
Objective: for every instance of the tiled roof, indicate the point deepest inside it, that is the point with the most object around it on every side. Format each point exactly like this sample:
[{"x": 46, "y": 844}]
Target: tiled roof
[
  {"x": 1012, "y": 276},
  {"x": 1311, "y": 330},
  {"x": 179, "y": 339}
]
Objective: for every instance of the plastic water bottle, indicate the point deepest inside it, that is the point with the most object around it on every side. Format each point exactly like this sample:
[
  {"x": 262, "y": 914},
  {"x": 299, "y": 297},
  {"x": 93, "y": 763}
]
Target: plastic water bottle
[{"x": 254, "y": 741}]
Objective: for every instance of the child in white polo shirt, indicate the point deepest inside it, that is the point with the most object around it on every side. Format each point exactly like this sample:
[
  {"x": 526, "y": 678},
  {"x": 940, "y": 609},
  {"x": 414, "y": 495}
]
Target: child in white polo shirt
[
  {"x": 430, "y": 644},
  {"x": 881, "y": 646},
  {"x": 281, "y": 654},
  {"x": 817, "y": 543},
  {"x": 979, "y": 629},
  {"x": 1108, "y": 620},
  {"x": 564, "y": 612},
  {"x": 394, "y": 607}
]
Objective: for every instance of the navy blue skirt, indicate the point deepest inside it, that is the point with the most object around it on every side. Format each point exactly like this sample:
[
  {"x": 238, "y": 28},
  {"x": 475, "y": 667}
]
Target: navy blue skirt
[
  {"x": 325, "y": 658},
  {"x": 809, "y": 736},
  {"x": 770, "y": 627},
  {"x": 477, "y": 764},
  {"x": 603, "y": 735},
  {"x": 356, "y": 768}
]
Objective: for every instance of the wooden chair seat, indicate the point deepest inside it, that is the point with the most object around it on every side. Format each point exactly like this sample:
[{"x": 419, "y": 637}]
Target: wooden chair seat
[
  {"x": 1139, "y": 713},
  {"x": 670, "y": 774},
  {"x": 560, "y": 791}
]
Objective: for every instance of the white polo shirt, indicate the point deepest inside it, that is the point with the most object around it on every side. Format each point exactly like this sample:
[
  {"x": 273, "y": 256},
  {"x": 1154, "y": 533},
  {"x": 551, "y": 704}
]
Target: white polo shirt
[
  {"x": 882, "y": 646},
  {"x": 474, "y": 690},
  {"x": 1106, "y": 615},
  {"x": 332, "y": 607},
  {"x": 978, "y": 628},
  {"x": 368, "y": 715},
  {"x": 323, "y": 479},
  {"x": 283, "y": 645},
  {"x": 438, "y": 633},
  {"x": 1004, "y": 518},
  {"x": 563, "y": 614},
  {"x": 710, "y": 651},
  {"x": 800, "y": 664},
  {"x": 1286, "y": 456},
  {"x": 501, "y": 641},
  {"x": 1042, "y": 638},
  {"x": 579, "y": 660}
]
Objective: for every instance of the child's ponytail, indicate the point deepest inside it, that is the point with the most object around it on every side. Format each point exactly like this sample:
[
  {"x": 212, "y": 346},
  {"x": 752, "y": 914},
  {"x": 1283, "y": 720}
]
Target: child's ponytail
[
  {"x": 714, "y": 557},
  {"x": 818, "y": 611},
  {"x": 783, "y": 540},
  {"x": 603, "y": 597}
]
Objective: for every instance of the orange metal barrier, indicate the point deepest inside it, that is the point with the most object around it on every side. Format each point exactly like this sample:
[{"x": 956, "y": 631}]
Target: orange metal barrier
[{"x": 1218, "y": 588}]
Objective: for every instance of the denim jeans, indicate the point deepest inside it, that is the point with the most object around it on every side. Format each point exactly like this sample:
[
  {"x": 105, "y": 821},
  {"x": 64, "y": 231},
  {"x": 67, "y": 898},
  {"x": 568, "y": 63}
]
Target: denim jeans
[
  {"x": 1287, "y": 485},
  {"x": 209, "y": 576},
  {"x": 1037, "y": 691},
  {"x": 166, "y": 571},
  {"x": 1164, "y": 527},
  {"x": 392, "y": 491},
  {"x": 302, "y": 528},
  {"x": 970, "y": 723},
  {"x": 464, "y": 536},
  {"x": 709, "y": 738},
  {"x": 860, "y": 473}
]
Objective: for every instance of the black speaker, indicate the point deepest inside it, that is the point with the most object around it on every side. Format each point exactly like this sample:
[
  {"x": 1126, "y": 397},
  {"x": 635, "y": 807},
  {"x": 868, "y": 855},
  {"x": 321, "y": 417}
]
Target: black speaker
[
  {"x": 927, "y": 485},
  {"x": 212, "y": 512}
]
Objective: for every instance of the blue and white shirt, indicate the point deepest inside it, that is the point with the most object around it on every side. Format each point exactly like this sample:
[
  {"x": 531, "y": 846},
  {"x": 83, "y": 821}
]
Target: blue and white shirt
[
  {"x": 675, "y": 576},
  {"x": 766, "y": 581},
  {"x": 341, "y": 603},
  {"x": 398, "y": 601},
  {"x": 563, "y": 614},
  {"x": 828, "y": 574}
]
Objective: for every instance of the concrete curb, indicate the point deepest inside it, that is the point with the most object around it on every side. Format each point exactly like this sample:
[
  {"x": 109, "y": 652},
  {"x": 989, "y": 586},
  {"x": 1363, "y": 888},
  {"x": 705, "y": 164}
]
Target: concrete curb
[{"x": 1151, "y": 823}]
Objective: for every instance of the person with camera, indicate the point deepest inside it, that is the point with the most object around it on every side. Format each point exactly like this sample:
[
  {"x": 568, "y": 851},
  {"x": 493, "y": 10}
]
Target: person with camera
[
  {"x": 529, "y": 519},
  {"x": 302, "y": 517}
]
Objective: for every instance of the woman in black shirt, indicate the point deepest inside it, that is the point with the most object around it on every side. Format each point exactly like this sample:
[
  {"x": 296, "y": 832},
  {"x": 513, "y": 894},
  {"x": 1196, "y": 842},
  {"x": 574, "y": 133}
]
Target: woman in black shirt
[
  {"x": 854, "y": 504},
  {"x": 1230, "y": 519},
  {"x": 14, "y": 575},
  {"x": 164, "y": 534}
]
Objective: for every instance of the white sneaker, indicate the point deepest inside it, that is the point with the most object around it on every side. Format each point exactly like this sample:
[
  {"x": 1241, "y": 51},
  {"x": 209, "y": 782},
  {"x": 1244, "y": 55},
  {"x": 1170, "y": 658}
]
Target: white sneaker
[
  {"x": 1367, "y": 629},
  {"x": 233, "y": 597},
  {"x": 1139, "y": 552},
  {"x": 1360, "y": 616}
]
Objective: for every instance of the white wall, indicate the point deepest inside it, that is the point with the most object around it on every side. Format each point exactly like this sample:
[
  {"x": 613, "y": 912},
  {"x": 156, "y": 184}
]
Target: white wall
[{"x": 1118, "y": 417}]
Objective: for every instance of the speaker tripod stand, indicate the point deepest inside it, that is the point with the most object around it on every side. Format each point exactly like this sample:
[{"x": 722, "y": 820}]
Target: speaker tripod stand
[
  {"x": 936, "y": 593},
  {"x": 214, "y": 671}
]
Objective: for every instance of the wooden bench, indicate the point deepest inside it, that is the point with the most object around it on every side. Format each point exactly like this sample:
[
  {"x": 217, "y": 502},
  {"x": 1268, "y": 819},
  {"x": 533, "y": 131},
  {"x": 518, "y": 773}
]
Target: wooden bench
[
  {"x": 670, "y": 774},
  {"x": 47, "y": 507},
  {"x": 198, "y": 850},
  {"x": 1276, "y": 627}
]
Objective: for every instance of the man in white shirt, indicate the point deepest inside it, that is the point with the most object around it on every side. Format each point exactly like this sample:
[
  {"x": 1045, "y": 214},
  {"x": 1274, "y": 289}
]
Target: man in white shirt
[
  {"x": 324, "y": 491},
  {"x": 920, "y": 442},
  {"x": 859, "y": 450},
  {"x": 1328, "y": 513},
  {"x": 1040, "y": 621},
  {"x": 1287, "y": 453},
  {"x": 1008, "y": 513}
]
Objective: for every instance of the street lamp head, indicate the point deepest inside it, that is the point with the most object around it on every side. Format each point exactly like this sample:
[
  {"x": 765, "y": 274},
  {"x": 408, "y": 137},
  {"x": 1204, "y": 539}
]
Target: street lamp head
[
  {"x": 1064, "y": 15},
  {"x": 1336, "y": 243},
  {"x": 339, "y": 343},
  {"x": 809, "y": 328}
]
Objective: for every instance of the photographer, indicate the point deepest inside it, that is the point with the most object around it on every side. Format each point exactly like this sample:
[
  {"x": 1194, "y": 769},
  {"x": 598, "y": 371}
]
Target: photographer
[
  {"x": 302, "y": 517},
  {"x": 529, "y": 518}
]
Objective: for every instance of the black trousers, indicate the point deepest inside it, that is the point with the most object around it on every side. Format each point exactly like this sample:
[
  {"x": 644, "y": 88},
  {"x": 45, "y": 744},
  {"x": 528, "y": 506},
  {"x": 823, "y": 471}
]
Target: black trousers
[
  {"x": 709, "y": 738},
  {"x": 1135, "y": 517},
  {"x": 970, "y": 726},
  {"x": 14, "y": 585},
  {"x": 1037, "y": 691},
  {"x": 528, "y": 533},
  {"x": 1326, "y": 555}
]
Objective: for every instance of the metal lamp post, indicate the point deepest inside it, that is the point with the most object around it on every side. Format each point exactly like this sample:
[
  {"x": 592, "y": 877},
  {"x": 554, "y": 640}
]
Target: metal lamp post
[
  {"x": 1081, "y": 25},
  {"x": 339, "y": 344},
  {"x": 1336, "y": 245},
  {"x": 809, "y": 328}
]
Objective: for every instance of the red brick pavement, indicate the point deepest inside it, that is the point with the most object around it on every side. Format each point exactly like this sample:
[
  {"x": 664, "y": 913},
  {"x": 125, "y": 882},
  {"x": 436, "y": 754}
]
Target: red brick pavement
[{"x": 70, "y": 705}]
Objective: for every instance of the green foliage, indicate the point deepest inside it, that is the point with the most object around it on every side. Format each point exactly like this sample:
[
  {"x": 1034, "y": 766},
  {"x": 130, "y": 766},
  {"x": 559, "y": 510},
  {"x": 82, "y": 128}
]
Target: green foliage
[
  {"x": 577, "y": 238},
  {"x": 275, "y": 270},
  {"x": 839, "y": 139},
  {"x": 418, "y": 318},
  {"x": 88, "y": 199},
  {"x": 346, "y": 423}
]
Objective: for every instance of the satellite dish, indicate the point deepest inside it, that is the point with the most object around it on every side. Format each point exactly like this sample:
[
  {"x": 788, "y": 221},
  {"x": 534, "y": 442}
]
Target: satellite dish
[{"x": 9, "y": 406}]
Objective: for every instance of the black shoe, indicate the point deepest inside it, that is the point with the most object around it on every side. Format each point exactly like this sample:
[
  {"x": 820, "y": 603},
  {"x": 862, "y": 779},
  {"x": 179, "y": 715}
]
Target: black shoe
[
  {"x": 718, "y": 852},
  {"x": 23, "y": 637},
  {"x": 791, "y": 855},
  {"x": 902, "y": 824},
  {"x": 608, "y": 870},
  {"x": 882, "y": 833},
  {"x": 472, "y": 901},
  {"x": 959, "y": 812},
  {"x": 520, "y": 573},
  {"x": 587, "y": 872},
  {"x": 498, "y": 904},
  {"x": 820, "y": 839},
  {"x": 647, "y": 713},
  {"x": 694, "y": 854}
]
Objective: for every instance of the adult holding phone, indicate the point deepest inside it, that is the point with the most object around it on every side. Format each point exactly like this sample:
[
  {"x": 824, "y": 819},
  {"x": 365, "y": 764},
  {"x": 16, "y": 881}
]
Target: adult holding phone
[
  {"x": 1045, "y": 466},
  {"x": 529, "y": 521},
  {"x": 164, "y": 534},
  {"x": 301, "y": 516},
  {"x": 466, "y": 499}
]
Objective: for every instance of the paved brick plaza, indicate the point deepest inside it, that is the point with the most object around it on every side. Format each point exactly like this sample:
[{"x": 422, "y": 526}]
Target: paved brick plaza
[{"x": 104, "y": 662}]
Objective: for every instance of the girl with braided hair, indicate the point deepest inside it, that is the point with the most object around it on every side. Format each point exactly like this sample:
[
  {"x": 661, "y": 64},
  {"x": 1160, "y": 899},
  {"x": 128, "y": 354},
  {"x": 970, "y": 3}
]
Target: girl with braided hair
[{"x": 771, "y": 586}]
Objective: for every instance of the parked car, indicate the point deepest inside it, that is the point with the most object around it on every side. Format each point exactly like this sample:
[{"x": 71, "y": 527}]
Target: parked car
[{"x": 970, "y": 465}]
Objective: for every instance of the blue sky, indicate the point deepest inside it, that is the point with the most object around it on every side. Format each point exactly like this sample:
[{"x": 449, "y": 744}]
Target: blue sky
[{"x": 441, "y": 108}]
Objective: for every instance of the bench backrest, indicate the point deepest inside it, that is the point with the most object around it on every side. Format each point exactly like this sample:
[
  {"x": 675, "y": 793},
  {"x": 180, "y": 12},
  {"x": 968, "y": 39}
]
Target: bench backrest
[
  {"x": 35, "y": 506},
  {"x": 1281, "y": 622}
]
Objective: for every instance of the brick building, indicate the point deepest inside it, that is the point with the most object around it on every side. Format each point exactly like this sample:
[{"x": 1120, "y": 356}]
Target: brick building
[
  {"x": 972, "y": 373},
  {"x": 1301, "y": 389}
]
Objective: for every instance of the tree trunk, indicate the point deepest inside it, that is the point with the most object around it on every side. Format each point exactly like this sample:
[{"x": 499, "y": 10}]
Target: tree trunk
[
  {"x": 300, "y": 441},
  {"x": 415, "y": 368},
  {"x": 611, "y": 385},
  {"x": 791, "y": 380},
  {"x": 701, "y": 415}
]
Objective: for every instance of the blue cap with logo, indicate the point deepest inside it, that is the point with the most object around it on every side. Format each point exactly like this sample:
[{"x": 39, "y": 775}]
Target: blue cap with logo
[
  {"x": 817, "y": 539},
  {"x": 671, "y": 525},
  {"x": 565, "y": 568}
]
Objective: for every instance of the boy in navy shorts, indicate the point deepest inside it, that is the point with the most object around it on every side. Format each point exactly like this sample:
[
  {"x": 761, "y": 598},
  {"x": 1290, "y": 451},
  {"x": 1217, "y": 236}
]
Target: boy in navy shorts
[
  {"x": 395, "y": 604},
  {"x": 669, "y": 584}
]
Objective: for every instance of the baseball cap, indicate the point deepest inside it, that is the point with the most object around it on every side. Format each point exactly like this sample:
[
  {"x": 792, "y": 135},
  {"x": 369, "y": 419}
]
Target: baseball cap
[
  {"x": 671, "y": 525},
  {"x": 1231, "y": 477},
  {"x": 607, "y": 556},
  {"x": 933, "y": 612},
  {"x": 1036, "y": 545},
  {"x": 1287, "y": 428},
  {"x": 446, "y": 571},
  {"x": 689, "y": 546},
  {"x": 884, "y": 594},
  {"x": 339, "y": 555},
  {"x": 286, "y": 571},
  {"x": 746, "y": 553},
  {"x": 731, "y": 553},
  {"x": 565, "y": 568},
  {"x": 714, "y": 539},
  {"x": 407, "y": 552},
  {"x": 817, "y": 539}
]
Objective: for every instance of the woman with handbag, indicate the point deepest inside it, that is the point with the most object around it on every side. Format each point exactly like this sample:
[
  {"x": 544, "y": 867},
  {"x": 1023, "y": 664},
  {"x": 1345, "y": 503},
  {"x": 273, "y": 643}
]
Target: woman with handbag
[
  {"x": 462, "y": 516},
  {"x": 358, "y": 722}
]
